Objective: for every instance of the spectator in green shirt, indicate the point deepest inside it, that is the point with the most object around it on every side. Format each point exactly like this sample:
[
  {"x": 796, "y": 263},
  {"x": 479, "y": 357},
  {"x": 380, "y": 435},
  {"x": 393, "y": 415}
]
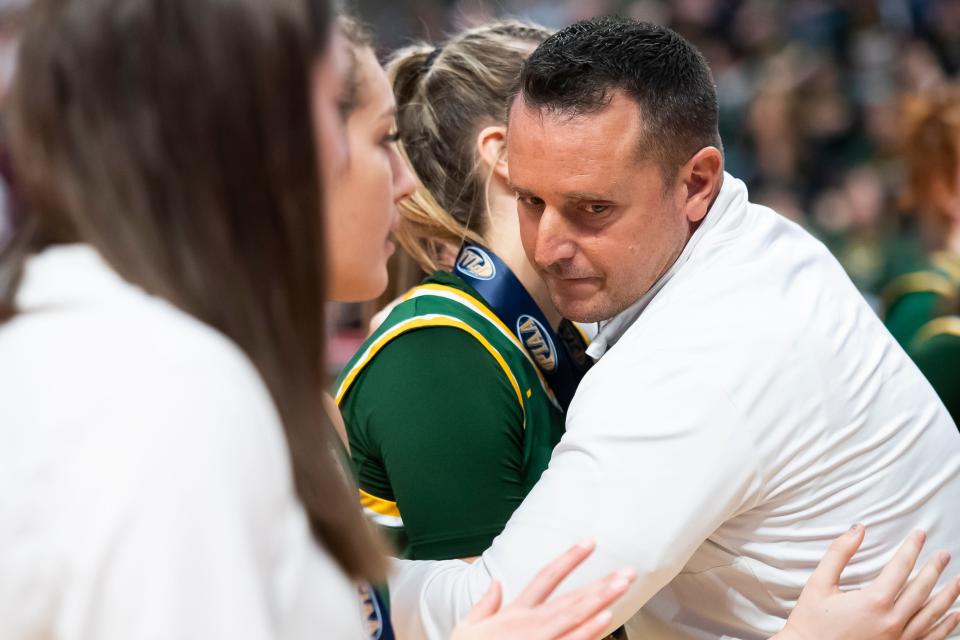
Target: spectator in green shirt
[
  {"x": 936, "y": 350},
  {"x": 922, "y": 306}
]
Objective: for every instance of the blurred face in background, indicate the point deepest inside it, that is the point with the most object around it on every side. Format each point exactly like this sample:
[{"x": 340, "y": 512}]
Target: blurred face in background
[
  {"x": 951, "y": 190},
  {"x": 366, "y": 187}
]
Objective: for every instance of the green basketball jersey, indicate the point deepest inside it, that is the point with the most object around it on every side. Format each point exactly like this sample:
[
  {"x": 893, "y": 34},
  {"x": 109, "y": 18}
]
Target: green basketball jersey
[
  {"x": 450, "y": 423},
  {"x": 915, "y": 298}
]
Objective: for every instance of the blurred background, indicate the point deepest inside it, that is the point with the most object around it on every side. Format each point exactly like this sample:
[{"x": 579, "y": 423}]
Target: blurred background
[{"x": 810, "y": 96}]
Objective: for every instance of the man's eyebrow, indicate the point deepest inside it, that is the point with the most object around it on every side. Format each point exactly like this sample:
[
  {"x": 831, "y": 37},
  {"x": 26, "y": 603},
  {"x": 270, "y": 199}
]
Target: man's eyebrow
[
  {"x": 585, "y": 196},
  {"x": 520, "y": 191},
  {"x": 575, "y": 196}
]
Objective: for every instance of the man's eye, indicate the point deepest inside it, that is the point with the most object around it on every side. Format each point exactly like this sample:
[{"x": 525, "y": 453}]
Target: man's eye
[
  {"x": 531, "y": 201},
  {"x": 598, "y": 208}
]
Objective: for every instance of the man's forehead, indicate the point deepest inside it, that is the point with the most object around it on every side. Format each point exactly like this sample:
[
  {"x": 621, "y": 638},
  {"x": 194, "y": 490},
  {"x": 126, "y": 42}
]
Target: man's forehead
[
  {"x": 533, "y": 120},
  {"x": 568, "y": 177},
  {"x": 583, "y": 153},
  {"x": 607, "y": 131}
]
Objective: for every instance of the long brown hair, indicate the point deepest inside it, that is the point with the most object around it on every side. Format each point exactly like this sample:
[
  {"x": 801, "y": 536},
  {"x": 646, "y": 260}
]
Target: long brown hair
[
  {"x": 931, "y": 148},
  {"x": 174, "y": 136},
  {"x": 445, "y": 95}
]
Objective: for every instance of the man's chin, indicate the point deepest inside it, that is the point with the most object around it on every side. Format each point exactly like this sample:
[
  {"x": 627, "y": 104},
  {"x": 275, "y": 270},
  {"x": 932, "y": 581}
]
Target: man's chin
[
  {"x": 581, "y": 309},
  {"x": 586, "y": 307}
]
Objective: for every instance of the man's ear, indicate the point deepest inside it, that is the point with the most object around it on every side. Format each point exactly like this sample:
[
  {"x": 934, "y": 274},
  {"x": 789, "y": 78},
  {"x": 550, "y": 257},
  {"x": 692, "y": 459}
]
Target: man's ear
[
  {"x": 492, "y": 149},
  {"x": 702, "y": 175}
]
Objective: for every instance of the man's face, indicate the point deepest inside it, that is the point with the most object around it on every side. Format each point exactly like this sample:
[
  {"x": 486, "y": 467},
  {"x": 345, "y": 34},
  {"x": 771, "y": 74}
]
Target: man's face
[{"x": 596, "y": 217}]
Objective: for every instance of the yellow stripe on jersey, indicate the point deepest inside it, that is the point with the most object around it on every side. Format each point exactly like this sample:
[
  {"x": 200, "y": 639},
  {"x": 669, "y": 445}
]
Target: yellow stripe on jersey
[
  {"x": 378, "y": 505},
  {"x": 949, "y": 325},
  {"x": 380, "y": 511},
  {"x": 430, "y": 320},
  {"x": 949, "y": 263},
  {"x": 471, "y": 302},
  {"x": 452, "y": 293},
  {"x": 919, "y": 282}
]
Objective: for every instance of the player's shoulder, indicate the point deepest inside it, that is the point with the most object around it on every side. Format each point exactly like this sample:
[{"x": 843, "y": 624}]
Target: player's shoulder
[
  {"x": 439, "y": 335},
  {"x": 430, "y": 360}
]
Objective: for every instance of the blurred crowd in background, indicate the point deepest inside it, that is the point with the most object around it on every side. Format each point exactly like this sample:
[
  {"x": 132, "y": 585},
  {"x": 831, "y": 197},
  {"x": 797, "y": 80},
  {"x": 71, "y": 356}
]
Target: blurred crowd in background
[
  {"x": 810, "y": 97},
  {"x": 811, "y": 92},
  {"x": 839, "y": 115}
]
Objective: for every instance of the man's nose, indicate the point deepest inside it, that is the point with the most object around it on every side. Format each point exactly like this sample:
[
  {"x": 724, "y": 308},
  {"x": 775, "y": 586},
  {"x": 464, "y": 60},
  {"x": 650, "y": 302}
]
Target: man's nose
[{"x": 554, "y": 241}]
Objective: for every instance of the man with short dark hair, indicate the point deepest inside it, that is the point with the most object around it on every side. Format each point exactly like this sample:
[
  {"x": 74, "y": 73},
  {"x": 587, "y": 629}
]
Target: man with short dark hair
[{"x": 746, "y": 407}]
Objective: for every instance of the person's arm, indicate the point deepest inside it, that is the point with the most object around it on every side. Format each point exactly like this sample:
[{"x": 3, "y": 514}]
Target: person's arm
[
  {"x": 435, "y": 426},
  {"x": 648, "y": 468}
]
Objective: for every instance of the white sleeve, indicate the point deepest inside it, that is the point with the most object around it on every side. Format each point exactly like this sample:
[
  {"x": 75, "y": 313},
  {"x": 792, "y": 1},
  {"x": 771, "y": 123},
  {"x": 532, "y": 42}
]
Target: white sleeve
[
  {"x": 194, "y": 522},
  {"x": 649, "y": 468}
]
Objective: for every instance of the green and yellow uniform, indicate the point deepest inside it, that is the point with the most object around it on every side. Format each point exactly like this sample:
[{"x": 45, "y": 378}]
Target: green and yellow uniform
[
  {"x": 915, "y": 298},
  {"x": 936, "y": 350},
  {"x": 450, "y": 422}
]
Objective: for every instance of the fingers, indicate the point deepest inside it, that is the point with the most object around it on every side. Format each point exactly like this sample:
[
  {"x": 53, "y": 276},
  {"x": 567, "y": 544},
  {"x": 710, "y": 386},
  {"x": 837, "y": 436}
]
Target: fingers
[
  {"x": 570, "y": 613},
  {"x": 891, "y": 580},
  {"x": 942, "y": 630},
  {"x": 590, "y": 629},
  {"x": 931, "y": 612},
  {"x": 827, "y": 575},
  {"x": 488, "y": 605},
  {"x": 550, "y": 576},
  {"x": 918, "y": 590}
]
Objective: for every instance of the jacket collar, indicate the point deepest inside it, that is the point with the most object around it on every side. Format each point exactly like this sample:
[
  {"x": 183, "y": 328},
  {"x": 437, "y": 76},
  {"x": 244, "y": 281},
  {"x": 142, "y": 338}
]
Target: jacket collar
[{"x": 731, "y": 202}]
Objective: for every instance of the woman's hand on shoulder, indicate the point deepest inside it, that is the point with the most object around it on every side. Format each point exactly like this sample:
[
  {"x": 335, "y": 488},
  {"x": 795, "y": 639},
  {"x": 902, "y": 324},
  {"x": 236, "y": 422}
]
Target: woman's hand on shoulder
[
  {"x": 581, "y": 614},
  {"x": 892, "y": 607}
]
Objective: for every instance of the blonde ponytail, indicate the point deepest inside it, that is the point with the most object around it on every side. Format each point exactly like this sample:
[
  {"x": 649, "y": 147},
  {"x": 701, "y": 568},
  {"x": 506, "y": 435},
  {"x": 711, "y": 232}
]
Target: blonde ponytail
[{"x": 445, "y": 95}]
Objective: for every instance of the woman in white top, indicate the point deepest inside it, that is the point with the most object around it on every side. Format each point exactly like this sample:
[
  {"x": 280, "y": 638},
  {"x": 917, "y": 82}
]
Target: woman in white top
[{"x": 165, "y": 468}]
